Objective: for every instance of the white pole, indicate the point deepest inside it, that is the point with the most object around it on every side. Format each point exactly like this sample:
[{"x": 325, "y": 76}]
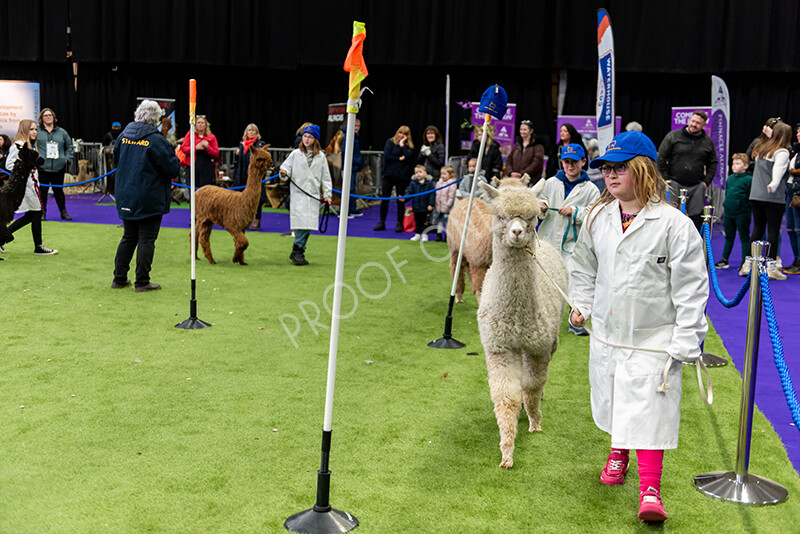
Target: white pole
[
  {"x": 447, "y": 121},
  {"x": 191, "y": 191},
  {"x": 344, "y": 209},
  {"x": 475, "y": 178}
]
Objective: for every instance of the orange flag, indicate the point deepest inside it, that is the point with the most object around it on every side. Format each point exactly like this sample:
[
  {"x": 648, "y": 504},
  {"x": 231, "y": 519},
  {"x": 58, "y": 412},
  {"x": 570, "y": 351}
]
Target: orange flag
[{"x": 354, "y": 63}]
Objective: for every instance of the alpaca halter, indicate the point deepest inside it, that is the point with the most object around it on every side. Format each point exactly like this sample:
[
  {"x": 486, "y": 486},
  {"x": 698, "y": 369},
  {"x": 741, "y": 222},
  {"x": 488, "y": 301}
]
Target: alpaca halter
[{"x": 707, "y": 395}]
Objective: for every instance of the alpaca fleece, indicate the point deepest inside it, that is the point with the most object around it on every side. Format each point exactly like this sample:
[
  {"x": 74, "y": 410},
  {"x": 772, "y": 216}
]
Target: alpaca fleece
[
  {"x": 233, "y": 210},
  {"x": 477, "y": 255},
  {"x": 520, "y": 311}
]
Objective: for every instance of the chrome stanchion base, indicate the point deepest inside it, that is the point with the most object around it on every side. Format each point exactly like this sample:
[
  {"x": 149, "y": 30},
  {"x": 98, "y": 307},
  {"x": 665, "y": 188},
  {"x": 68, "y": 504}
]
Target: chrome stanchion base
[
  {"x": 712, "y": 360},
  {"x": 748, "y": 489}
]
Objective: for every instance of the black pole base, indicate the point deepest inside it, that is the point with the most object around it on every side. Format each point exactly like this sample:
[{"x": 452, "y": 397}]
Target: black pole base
[
  {"x": 192, "y": 323},
  {"x": 313, "y": 521},
  {"x": 446, "y": 342}
]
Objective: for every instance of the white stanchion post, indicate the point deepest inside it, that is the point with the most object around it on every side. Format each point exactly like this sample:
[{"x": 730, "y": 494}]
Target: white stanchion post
[{"x": 709, "y": 359}]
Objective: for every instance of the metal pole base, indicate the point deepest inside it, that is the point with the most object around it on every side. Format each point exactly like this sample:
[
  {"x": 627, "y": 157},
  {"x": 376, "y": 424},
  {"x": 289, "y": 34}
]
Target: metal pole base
[
  {"x": 446, "y": 342},
  {"x": 748, "y": 489},
  {"x": 321, "y": 522},
  {"x": 712, "y": 360},
  {"x": 192, "y": 323}
]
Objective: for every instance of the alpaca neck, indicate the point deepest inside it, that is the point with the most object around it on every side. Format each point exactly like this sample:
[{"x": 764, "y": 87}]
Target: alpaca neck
[
  {"x": 515, "y": 267},
  {"x": 253, "y": 187}
]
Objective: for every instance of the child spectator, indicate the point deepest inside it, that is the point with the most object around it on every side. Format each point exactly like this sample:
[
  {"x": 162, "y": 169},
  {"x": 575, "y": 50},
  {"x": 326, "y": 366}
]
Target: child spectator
[
  {"x": 421, "y": 204},
  {"x": 445, "y": 198},
  {"x": 308, "y": 170},
  {"x": 737, "y": 210},
  {"x": 466, "y": 183},
  {"x": 639, "y": 272}
]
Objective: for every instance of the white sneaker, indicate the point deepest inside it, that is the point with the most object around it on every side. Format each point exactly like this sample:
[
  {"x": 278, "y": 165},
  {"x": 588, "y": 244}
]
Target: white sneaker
[
  {"x": 424, "y": 237},
  {"x": 773, "y": 273},
  {"x": 779, "y": 263},
  {"x": 416, "y": 237},
  {"x": 744, "y": 270},
  {"x": 2, "y": 250}
]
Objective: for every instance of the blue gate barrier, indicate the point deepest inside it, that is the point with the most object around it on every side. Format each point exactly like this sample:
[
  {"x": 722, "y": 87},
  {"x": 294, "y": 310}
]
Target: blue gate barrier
[
  {"x": 777, "y": 350},
  {"x": 715, "y": 282}
]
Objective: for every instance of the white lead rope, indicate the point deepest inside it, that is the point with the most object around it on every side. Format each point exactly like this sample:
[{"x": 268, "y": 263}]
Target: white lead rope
[{"x": 707, "y": 395}]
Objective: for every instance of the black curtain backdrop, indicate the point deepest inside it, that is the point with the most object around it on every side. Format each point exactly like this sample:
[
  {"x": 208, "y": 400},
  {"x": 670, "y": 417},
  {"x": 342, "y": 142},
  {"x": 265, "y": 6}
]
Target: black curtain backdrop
[{"x": 279, "y": 64}]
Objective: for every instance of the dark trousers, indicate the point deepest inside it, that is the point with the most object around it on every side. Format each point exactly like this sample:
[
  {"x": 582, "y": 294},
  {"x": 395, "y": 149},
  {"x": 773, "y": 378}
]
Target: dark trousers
[
  {"x": 353, "y": 206},
  {"x": 35, "y": 220},
  {"x": 139, "y": 235},
  {"x": 419, "y": 218},
  {"x": 54, "y": 178},
  {"x": 386, "y": 191},
  {"x": 733, "y": 224},
  {"x": 767, "y": 216}
]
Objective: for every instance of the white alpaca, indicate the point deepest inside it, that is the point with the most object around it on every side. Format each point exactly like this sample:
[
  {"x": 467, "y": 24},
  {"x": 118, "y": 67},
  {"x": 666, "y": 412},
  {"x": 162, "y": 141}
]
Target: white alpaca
[
  {"x": 477, "y": 256},
  {"x": 520, "y": 311}
]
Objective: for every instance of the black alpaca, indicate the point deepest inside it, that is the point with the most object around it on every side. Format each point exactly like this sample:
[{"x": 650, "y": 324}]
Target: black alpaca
[{"x": 12, "y": 193}]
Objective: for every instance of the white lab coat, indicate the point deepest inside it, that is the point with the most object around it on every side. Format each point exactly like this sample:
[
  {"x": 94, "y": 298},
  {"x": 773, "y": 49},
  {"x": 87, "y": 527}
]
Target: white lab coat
[
  {"x": 557, "y": 229},
  {"x": 647, "y": 287},
  {"x": 30, "y": 202},
  {"x": 304, "y": 214}
]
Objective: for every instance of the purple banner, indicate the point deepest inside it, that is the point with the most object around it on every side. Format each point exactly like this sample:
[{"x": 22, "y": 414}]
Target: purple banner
[
  {"x": 681, "y": 116},
  {"x": 504, "y": 129},
  {"x": 585, "y": 124}
]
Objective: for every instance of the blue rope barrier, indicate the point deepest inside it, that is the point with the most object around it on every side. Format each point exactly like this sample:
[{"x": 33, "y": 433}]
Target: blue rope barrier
[
  {"x": 777, "y": 351},
  {"x": 70, "y": 185},
  {"x": 404, "y": 196},
  {"x": 715, "y": 283},
  {"x": 237, "y": 188}
]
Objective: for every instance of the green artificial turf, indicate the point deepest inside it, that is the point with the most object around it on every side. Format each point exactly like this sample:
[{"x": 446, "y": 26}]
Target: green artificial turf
[{"x": 115, "y": 421}]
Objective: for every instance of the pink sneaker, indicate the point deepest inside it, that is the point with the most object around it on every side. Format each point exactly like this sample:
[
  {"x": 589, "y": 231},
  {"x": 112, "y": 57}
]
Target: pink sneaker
[
  {"x": 650, "y": 506},
  {"x": 614, "y": 472}
]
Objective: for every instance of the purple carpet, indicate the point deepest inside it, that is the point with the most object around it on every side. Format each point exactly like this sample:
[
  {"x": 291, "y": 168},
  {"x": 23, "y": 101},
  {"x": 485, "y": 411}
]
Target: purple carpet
[{"x": 730, "y": 324}]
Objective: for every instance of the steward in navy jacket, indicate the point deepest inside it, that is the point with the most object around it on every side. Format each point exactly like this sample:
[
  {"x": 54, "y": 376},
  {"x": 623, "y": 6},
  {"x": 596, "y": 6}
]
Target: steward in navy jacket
[{"x": 146, "y": 163}]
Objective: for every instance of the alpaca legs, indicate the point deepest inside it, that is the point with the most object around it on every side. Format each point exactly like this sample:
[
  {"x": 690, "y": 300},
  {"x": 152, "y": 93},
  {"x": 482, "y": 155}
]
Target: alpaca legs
[
  {"x": 476, "y": 275},
  {"x": 203, "y": 235},
  {"x": 241, "y": 243},
  {"x": 533, "y": 380},
  {"x": 505, "y": 385}
]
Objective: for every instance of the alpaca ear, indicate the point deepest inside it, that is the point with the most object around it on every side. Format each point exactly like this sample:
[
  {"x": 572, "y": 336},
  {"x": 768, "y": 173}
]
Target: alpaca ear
[
  {"x": 537, "y": 187},
  {"x": 526, "y": 179},
  {"x": 495, "y": 181},
  {"x": 492, "y": 192},
  {"x": 266, "y": 146}
]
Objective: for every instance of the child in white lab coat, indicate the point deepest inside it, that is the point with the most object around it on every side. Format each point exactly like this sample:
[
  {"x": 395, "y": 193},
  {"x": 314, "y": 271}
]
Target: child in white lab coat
[{"x": 639, "y": 272}]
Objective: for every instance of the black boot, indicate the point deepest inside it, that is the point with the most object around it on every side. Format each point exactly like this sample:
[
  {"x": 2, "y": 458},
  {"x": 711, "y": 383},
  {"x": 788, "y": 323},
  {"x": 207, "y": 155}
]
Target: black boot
[
  {"x": 380, "y": 226},
  {"x": 64, "y": 215},
  {"x": 297, "y": 256}
]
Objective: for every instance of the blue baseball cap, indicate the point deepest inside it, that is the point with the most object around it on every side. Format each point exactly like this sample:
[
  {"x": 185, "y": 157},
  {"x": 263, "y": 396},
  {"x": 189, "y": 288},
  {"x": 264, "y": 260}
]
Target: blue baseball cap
[
  {"x": 626, "y": 146},
  {"x": 312, "y": 129},
  {"x": 117, "y": 124},
  {"x": 573, "y": 151}
]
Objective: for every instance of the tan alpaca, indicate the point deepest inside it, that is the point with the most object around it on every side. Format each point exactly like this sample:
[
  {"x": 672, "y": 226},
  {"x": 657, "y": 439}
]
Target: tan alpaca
[
  {"x": 520, "y": 313},
  {"x": 233, "y": 210}
]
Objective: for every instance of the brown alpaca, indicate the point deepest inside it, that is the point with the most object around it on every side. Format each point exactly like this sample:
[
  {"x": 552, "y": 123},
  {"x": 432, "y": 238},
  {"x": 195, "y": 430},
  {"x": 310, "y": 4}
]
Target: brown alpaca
[{"x": 233, "y": 210}]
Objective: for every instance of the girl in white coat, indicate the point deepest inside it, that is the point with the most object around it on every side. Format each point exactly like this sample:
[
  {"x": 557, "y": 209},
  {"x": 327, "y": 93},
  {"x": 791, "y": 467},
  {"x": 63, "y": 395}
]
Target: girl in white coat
[
  {"x": 31, "y": 205},
  {"x": 308, "y": 170},
  {"x": 638, "y": 271}
]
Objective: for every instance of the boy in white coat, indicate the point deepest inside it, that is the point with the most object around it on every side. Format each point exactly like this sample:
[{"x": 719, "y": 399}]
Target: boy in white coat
[
  {"x": 565, "y": 200},
  {"x": 638, "y": 271},
  {"x": 307, "y": 168}
]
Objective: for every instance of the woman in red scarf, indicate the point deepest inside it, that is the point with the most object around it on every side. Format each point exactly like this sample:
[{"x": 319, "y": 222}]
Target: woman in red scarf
[
  {"x": 206, "y": 151},
  {"x": 250, "y": 138}
]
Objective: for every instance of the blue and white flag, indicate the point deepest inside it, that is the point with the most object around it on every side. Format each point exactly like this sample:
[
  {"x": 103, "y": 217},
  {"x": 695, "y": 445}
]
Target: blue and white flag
[{"x": 605, "y": 111}]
